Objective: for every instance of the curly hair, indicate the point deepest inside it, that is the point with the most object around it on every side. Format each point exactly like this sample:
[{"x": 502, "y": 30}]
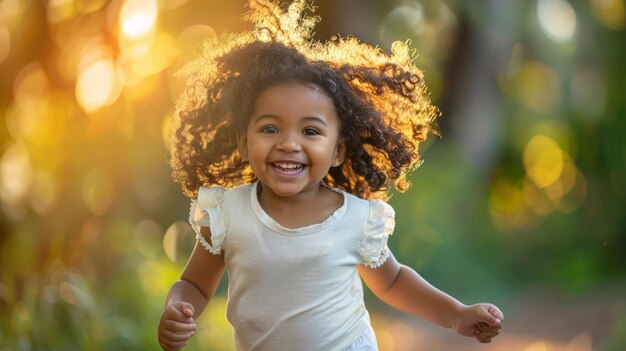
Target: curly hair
[{"x": 382, "y": 103}]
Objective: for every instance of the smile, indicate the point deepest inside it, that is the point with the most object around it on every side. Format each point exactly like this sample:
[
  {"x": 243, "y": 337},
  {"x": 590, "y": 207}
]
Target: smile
[{"x": 288, "y": 167}]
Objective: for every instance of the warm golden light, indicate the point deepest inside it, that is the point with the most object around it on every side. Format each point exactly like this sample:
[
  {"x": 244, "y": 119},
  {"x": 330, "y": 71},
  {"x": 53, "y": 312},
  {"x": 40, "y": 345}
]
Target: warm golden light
[
  {"x": 138, "y": 17},
  {"x": 98, "y": 85},
  {"x": 537, "y": 346},
  {"x": 30, "y": 87},
  {"x": 15, "y": 173},
  {"x": 60, "y": 10},
  {"x": 5, "y": 43},
  {"x": 166, "y": 128},
  {"x": 146, "y": 58},
  {"x": 43, "y": 193},
  {"x": 189, "y": 41},
  {"x": 98, "y": 191},
  {"x": 543, "y": 160}
]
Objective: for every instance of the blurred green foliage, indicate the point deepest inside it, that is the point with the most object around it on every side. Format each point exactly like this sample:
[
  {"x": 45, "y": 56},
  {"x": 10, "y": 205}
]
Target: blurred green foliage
[{"x": 525, "y": 189}]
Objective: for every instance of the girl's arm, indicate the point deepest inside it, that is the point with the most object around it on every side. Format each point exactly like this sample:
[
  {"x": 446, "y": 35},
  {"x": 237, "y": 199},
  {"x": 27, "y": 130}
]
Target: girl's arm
[
  {"x": 402, "y": 288},
  {"x": 189, "y": 296}
]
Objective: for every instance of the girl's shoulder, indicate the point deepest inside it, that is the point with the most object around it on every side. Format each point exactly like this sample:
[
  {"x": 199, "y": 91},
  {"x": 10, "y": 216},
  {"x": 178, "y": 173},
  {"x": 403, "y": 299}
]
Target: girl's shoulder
[
  {"x": 379, "y": 225},
  {"x": 215, "y": 195},
  {"x": 376, "y": 211},
  {"x": 376, "y": 207}
]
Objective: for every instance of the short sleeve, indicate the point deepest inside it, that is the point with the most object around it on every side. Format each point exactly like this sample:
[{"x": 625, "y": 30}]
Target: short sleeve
[
  {"x": 206, "y": 211},
  {"x": 380, "y": 224}
]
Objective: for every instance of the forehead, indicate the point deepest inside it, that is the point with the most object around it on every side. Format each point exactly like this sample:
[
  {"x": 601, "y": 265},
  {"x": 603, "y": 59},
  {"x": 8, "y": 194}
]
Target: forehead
[{"x": 296, "y": 100}]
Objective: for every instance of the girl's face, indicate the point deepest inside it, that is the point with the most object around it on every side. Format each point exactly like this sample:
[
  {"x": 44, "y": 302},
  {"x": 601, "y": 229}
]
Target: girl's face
[{"x": 292, "y": 138}]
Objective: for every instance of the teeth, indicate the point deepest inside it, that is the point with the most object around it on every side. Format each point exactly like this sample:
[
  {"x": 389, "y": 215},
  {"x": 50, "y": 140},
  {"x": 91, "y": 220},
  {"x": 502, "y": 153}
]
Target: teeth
[
  {"x": 288, "y": 168},
  {"x": 288, "y": 165}
]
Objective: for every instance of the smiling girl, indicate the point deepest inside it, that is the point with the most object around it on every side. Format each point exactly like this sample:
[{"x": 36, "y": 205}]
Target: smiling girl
[{"x": 288, "y": 148}]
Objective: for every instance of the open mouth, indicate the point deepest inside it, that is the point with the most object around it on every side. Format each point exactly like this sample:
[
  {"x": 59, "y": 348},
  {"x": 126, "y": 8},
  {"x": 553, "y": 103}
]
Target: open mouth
[{"x": 288, "y": 167}]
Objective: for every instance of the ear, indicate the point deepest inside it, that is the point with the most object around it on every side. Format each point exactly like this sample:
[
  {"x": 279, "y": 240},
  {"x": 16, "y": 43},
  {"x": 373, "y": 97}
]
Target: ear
[
  {"x": 340, "y": 154},
  {"x": 242, "y": 145}
]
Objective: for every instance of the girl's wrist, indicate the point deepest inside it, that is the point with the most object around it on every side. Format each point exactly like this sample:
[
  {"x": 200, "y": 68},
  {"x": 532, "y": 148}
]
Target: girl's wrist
[{"x": 454, "y": 316}]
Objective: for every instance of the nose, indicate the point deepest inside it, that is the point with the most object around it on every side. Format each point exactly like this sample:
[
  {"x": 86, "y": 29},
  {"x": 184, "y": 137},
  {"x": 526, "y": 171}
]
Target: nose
[{"x": 289, "y": 143}]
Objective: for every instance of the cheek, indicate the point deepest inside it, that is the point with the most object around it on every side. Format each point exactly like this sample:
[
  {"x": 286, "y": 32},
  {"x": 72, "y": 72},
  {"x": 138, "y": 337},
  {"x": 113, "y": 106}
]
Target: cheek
[
  {"x": 257, "y": 152},
  {"x": 325, "y": 153}
]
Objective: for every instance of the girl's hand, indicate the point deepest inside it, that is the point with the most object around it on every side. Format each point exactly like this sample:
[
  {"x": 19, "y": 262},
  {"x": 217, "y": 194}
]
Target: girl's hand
[
  {"x": 482, "y": 321},
  {"x": 176, "y": 326}
]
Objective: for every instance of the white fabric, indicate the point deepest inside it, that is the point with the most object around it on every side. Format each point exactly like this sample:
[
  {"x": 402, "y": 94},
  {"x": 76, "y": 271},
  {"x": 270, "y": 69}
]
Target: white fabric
[
  {"x": 365, "y": 342},
  {"x": 293, "y": 289}
]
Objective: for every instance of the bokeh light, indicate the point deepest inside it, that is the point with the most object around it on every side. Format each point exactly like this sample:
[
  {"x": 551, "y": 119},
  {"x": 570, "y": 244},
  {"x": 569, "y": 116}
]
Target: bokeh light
[
  {"x": 537, "y": 86},
  {"x": 612, "y": 13},
  {"x": 543, "y": 160},
  {"x": 138, "y": 17},
  {"x": 557, "y": 19},
  {"x": 16, "y": 174},
  {"x": 177, "y": 241},
  {"x": 99, "y": 84},
  {"x": 30, "y": 87}
]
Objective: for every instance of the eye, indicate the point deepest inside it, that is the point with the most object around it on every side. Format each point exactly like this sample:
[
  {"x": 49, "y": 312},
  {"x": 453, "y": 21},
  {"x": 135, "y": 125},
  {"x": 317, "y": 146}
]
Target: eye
[
  {"x": 269, "y": 130},
  {"x": 310, "y": 132}
]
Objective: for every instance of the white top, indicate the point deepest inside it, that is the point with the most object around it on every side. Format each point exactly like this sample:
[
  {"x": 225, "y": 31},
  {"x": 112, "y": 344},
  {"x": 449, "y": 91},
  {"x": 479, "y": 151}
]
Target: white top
[{"x": 293, "y": 289}]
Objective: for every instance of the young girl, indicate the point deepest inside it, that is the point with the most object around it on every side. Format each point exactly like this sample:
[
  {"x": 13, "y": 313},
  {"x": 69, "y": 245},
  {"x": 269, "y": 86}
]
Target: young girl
[{"x": 288, "y": 147}]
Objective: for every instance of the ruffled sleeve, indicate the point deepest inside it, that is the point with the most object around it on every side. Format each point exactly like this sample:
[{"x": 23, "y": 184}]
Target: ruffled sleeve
[
  {"x": 206, "y": 211},
  {"x": 380, "y": 224}
]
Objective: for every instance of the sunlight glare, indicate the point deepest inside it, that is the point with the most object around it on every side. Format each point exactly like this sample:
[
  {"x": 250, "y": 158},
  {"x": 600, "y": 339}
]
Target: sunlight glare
[
  {"x": 143, "y": 59},
  {"x": 98, "y": 85},
  {"x": 138, "y": 17},
  {"x": 557, "y": 19}
]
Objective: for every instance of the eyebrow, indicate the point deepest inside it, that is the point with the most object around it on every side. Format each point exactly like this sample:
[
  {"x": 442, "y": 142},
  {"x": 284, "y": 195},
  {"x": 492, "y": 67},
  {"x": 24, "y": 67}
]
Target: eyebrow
[{"x": 275, "y": 117}]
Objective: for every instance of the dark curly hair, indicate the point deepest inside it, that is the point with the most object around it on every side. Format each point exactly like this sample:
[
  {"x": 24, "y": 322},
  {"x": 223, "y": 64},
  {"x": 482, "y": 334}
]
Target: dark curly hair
[{"x": 381, "y": 102}]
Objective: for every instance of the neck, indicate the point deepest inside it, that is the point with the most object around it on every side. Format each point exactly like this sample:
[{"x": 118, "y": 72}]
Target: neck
[
  {"x": 306, "y": 208},
  {"x": 267, "y": 197}
]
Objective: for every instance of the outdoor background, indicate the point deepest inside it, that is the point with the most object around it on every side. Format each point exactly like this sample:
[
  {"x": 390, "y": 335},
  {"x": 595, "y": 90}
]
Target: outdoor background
[{"x": 520, "y": 203}]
